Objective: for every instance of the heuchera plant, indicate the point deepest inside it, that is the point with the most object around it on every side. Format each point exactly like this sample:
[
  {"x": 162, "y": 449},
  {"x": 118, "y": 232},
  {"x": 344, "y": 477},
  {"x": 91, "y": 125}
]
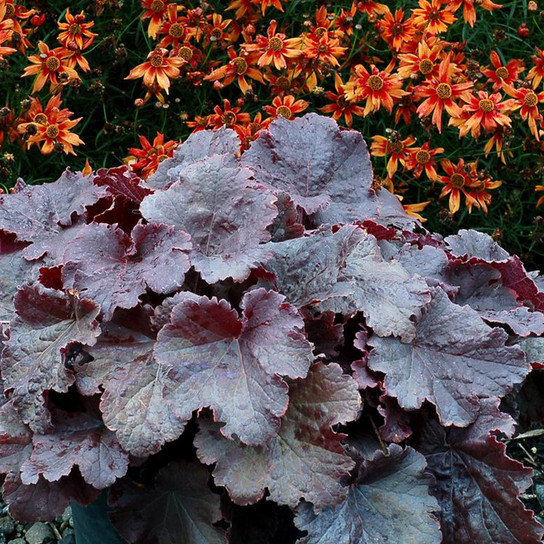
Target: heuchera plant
[{"x": 262, "y": 348}]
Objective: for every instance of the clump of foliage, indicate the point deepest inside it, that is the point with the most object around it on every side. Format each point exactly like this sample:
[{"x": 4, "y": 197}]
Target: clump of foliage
[
  {"x": 450, "y": 92},
  {"x": 246, "y": 346}
]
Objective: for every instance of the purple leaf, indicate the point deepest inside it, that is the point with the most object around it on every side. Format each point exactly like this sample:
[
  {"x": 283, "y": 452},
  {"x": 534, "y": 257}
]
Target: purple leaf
[
  {"x": 388, "y": 295},
  {"x": 37, "y": 213},
  {"x": 199, "y": 145},
  {"x": 47, "y": 322},
  {"x": 305, "y": 459},
  {"x": 15, "y": 440},
  {"x": 133, "y": 403},
  {"x": 477, "y": 485},
  {"x": 455, "y": 360},
  {"x": 389, "y": 502},
  {"x": 77, "y": 439},
  {"x": 122, "y": 267},
  {"x": 225, "y": 213},
  {"x": 233, "y": 365},
  {"x": 45, "y": 500},
  {"x": 121, "y": 183},
  {"x": 323, "y": 168},
  {"x": 179, "y": 508}
]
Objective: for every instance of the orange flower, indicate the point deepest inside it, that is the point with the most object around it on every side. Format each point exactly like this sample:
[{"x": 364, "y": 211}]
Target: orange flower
[
  {"x": 422, "y": 159},
  {"x": 286, "y": 107},
  {"x": 265, "y": 4},
  {"x": 413, "y": 209},
  {"x": 173, "y": 28},
  {"x": 250, "y": 132},
  {"x": 485, "y": 111},
  {"x": 502, "y": 74},
  {"x": 536, "y": 73},
  {"x": 237, "y": 68},
  {"x": 158, "y": 68},
  {"x": 379, "y": 88},
  {"x": 371, "y": 8},
  {"x": 156, "y": 11},
  {"x": 75, "y": 29},
  {"x": 74, "y": 57},
  {"x": 479, "y": 195},
  {"x": 241, "y": 7},
  {"x": 457, "y": 179},
  {"x": 216, "y": 33},
  {"x": 395, "y": 30},
  {"x": 501, "y": 146},
  {"x": 405, "y": 107},
  {"x": 200, "y": 123},
  {"x": 538, "y": 189},
  {"x": 527, "y": 101},
  {"x": 341, "y": 105},
  {"x": 431, "y": 18},
  {"x": 52, "y": 126},
  {"x": 48, "y": 66},
  {"x": 150, "y": 155},
  {"x": 396, "y": 149},
  {"x": 227, "y": 116},
  {"x": 274, "y": 48},
  {"x": 469, "y": 13},
  {"x": 440, "y": 94},
  {"x": 425, "y": 61},
  {"x": 324, "y": 49}
]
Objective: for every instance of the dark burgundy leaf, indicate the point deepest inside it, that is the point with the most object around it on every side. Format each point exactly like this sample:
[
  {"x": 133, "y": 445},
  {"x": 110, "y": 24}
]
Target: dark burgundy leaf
[
  {"x": 477, "y": 485},
  {"x": 455, "y": 360},
  {"x": 133, "y": 403},
  {"x": 37, "y": 213},
  {"x": 47, "y": 322},
  {"x": 305, "y": 459},
  {"x": 233, "y": 365},
  {"x": 15, "y": 440},
  {"x": 397, "y": 426},
  {"x": 288, "y": 223},
  {"x": 322, "y": 168},
  {"x": 77, "y": 439},
  {"x": 480, "y": 286},
  {"x": 45, "y": 500},
  {"x": 121, "y": 267},
  {"x": 307, "y": 268},
  {"x": 180, "y": 508},
  {"x": 121, "y": 183},
  {"x": 225, "y": 213},
  {"x": 199, "y": 145},
  {"x": 388, "y": 295},
  {"x": 389, "y": 502},
  {"x": 326, "y": 335}
]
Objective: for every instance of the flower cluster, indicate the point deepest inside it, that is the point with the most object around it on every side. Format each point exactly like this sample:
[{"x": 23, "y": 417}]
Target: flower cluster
[{"x": 446, "y": 119}]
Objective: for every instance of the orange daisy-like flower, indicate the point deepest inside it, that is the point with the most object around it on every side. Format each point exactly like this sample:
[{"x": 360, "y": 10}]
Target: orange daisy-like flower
[
  {"x": 75, "y": 30},
  {"x": 199, "y": 123},
  {"x": 173, "y": 28},
  {"x": 414, "y": 209},
  {"x": 323, "y": 49},
  {"x": 484, "y": 110},
  {"x": 242, "y": 7},
  {"x": 158, "y": 68},
  {"x": 156, "y": 11},
  {"x": 250, "y": 132},
  {"x": 216, "y": 32},
  {"x": 285, "y": 107},
  {"x": 536, "y": 73},
  {"x": 377, "y": 88},
  {"x": 48, "y": 66},
  {"x": 432, "y": 18},
  {"x": 75, "y": 58},
  {"x": 500, "y": 141},
  {"x": 265, "y": 4},
  {"x": 275, "y": 48},
  {"x": 538, "y": 189},
  {"x": 372, "y": 8},
  {"x": 150, "y": 156},
  {"x": 440, "y": 93},
  {"x": 405, "y": 107},
  {"x": 425, "y": 62},
  {"x": 422, "y": 159},
  {"x": 527, "y": 101},
  {"x": 227, "y": 116},
  {"x": 237, "y": 68},
  {"x": 394, "y": 148},
  {"x": 340, "y": 104},
  {"x": 52, "y": 126},
  {"x": 500, "y": 74},
  {"x": 479, "y": 195},
  {"x": 469, "y": 12},
  {"x": 457, "y": 179},
  {"x": 395, "y": 30}
]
